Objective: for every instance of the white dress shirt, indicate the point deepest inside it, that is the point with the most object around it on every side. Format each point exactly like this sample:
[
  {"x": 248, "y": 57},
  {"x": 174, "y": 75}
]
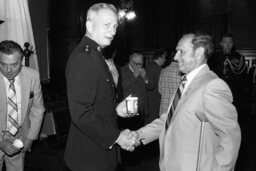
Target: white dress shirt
[{"x": 190, "y": 76}]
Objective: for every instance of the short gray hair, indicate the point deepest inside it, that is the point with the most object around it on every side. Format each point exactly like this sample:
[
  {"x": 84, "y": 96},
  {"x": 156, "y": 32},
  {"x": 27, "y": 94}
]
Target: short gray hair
[
  {"x": 97, "y": 7},
  {"x": 135, "y": 55},
  {"x": 203, "y": 40}
]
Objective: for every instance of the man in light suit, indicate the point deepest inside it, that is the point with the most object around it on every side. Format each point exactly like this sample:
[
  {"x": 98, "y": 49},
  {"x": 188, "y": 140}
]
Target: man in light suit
[
  {"x": 29, "y": 106},
  {"x": 203, "y": 132}
]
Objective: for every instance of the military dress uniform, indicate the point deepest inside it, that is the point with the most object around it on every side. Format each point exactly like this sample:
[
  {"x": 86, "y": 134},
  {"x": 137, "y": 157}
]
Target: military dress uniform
[
  {"x": 232, "y": 68},
  {"x": 91, "y": 99}
]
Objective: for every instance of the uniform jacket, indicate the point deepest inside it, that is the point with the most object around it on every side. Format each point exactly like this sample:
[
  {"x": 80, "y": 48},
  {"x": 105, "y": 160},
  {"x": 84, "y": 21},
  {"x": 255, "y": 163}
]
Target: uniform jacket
[
  {"x": 232, "y": 68},
  {"x": 208, "y": 96},
  {"x": 91, "y": 98}
]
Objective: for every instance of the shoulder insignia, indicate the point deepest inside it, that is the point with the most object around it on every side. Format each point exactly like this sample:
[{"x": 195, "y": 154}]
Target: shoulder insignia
[{"x": 87, "y": 48}]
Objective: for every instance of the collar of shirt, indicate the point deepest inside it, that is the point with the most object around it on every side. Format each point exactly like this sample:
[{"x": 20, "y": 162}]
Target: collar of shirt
[
  {"x": 111, "y": 65},
  {"x": 109, "y": 62},
  {"x": 16, "y": 83},
  {"x": 156, "y": 61},
  {"x": 190, "y": 76},
  {"x": 130, "y": 67}
]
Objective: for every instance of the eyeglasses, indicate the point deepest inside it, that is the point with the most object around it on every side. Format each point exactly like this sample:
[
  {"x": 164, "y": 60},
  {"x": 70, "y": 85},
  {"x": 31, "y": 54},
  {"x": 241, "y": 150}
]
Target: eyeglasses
[{"x": 137, "y": 63}]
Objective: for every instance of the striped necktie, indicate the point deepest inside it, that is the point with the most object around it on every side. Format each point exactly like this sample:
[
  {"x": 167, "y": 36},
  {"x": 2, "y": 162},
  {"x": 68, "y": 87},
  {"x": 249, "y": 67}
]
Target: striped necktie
[
  {"x": 12, "y": 110},
  {"x": 175, "y": 101}
]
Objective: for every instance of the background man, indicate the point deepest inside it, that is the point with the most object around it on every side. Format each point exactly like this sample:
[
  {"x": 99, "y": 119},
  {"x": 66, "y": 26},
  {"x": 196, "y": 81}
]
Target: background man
[
  {"x": 91, "y": 97},
  {"x": 231, "y": 67},
  {"x": 21, "y": 106},
  {"x": 134, "y": 82},
  {"x": 168, "y": 84},
  {"x": 203, "y": 132}
]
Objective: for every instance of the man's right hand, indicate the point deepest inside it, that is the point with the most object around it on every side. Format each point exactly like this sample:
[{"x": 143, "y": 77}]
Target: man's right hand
[
  {"x": 127, "y": 140},
  {"x": 7, "y": 147},
  {"x": 136, "y": 72}
]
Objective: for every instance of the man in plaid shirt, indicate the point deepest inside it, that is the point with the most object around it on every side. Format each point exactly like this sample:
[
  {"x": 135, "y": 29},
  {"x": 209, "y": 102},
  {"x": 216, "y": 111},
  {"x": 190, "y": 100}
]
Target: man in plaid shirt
[{"x": 168, "y": 84}]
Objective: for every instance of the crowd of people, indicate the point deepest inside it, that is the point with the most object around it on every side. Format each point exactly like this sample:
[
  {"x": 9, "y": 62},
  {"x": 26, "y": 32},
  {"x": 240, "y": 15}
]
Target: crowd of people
[{"x": 188, "y": 112}]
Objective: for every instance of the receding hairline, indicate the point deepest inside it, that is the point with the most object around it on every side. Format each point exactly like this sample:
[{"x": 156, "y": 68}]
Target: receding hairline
[
  {"x": 136, "y": 55},
  {"x": 94, "y": 9},
  {"x": 10, "y": 47}
]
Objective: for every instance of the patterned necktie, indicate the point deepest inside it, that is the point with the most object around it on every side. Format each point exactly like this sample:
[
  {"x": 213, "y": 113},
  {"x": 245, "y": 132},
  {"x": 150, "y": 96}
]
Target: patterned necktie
[
  {"x": 175, "y": 101},
  {"x": 12, "y": 110}
]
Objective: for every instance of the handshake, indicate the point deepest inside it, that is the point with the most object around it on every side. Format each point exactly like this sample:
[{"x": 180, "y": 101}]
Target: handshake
[{"x": 128, "y": 140}]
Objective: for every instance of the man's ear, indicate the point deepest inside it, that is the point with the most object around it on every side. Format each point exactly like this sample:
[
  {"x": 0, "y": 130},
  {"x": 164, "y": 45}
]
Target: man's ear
[
  {"x": 89, "y": 26},
  {"x": 199, "y": 52}
]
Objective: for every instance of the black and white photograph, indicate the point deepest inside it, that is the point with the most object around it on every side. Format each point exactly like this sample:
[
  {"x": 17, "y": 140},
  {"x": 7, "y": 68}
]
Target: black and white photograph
[{"x": 127, "y": 85}]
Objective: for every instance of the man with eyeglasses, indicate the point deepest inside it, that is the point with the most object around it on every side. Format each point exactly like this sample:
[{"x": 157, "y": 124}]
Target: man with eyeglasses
[{"x": 135, "y": 82}]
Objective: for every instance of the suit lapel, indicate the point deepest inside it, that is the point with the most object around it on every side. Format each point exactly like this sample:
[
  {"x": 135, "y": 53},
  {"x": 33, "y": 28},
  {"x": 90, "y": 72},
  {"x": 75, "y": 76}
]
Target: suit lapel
[
  {"x": 24, "y": 88},
  {"x": 192, "y": 86},
  {"x": 3, "y": 103}
]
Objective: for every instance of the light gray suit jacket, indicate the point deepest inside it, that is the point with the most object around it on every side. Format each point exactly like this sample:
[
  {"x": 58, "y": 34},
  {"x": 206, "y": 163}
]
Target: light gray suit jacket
[
  {"x": 210, "y": 96},
  {"x": 32, "y": 107}
]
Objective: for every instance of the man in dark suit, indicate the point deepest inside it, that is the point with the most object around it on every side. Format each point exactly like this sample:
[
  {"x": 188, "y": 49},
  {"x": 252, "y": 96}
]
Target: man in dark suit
[
  {"x": 91, "y": 97},
  {"x": 21, "y": 106},
  {"x": 135, "y": 82}
]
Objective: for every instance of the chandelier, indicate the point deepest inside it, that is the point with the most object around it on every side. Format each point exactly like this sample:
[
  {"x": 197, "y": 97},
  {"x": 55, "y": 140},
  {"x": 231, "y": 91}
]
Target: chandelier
[{"x": 126, "y": 10}]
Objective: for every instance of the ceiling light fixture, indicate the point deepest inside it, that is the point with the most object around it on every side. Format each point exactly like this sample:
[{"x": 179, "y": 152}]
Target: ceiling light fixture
[{"x": 126, "y": 10}]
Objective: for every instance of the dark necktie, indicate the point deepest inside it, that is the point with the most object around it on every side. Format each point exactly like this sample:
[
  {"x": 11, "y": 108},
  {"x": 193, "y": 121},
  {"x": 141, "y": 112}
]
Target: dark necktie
[
  {"x": 12, "y": 110},
  {"x": 175, "y": 101}
]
